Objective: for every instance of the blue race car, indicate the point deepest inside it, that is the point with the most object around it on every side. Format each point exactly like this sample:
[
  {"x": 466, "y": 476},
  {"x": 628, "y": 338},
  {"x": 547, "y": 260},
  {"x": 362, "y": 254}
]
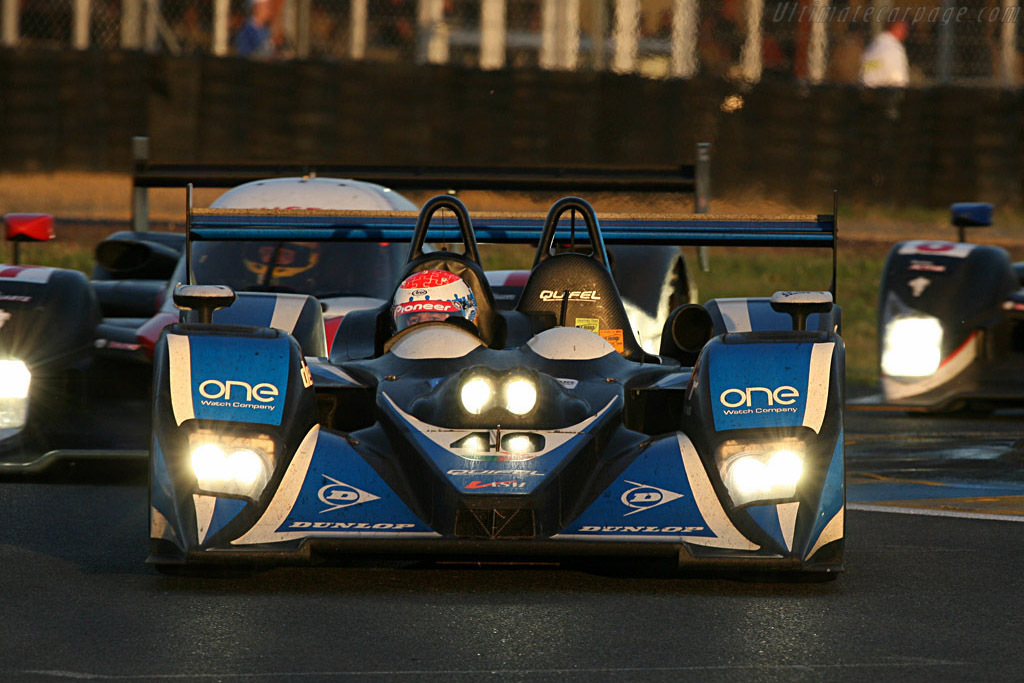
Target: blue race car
[{"x": 544, "y": 432}]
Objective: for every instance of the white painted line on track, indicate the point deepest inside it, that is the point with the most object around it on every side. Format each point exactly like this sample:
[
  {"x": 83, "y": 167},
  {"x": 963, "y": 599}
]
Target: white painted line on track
[
  {"x": 895, "y": 663},
  {"x": 932, "y": 512}
]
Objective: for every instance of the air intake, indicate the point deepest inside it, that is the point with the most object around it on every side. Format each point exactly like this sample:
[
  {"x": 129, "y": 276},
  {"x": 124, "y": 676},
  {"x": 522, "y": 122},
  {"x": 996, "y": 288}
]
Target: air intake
[{"x": 494, "y": 523}]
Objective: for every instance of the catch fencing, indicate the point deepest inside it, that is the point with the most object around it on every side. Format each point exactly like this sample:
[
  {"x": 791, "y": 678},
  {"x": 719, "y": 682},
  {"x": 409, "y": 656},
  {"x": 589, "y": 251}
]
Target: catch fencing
[
  {"x": 951, "y": 42},
  {"x": 933, "y": 146}
]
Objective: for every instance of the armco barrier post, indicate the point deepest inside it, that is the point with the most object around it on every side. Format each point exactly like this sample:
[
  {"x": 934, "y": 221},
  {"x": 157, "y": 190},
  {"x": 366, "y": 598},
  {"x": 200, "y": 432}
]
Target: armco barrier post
[
  {"x": 140, "y": 195},
  {"x": 702, "y": 193}
]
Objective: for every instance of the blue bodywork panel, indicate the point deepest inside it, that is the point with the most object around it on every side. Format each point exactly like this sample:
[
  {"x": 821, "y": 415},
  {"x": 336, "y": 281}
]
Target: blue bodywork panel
[
  {"x": 651, "y": 499},
  {"x": 341, "y": 492},
  {"x": 238, "y": 379},
  {"x": 758, "y": 385}
]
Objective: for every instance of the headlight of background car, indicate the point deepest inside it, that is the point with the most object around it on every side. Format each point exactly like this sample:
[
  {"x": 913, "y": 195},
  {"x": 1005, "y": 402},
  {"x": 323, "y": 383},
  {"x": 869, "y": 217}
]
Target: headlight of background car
[
  {"x": 231, "y": 465},
  {"x": 15, "y": 380},
  {"x": 518, "y": 393},
  {"x": 761, "y": 471},
  {"x": 912, "y": 346}
]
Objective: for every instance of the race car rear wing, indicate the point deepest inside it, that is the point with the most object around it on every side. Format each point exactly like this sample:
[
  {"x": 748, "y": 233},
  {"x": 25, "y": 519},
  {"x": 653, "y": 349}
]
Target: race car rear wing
[
  {"x": 515, "y": 228},
  {"x": 565, "y": 179}
]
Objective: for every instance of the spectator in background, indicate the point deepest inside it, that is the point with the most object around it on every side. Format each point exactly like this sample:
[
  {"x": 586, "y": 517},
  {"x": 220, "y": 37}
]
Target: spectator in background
[
  {"x": 884, "y": 63},
  {"x": 397, "y": 26},
  {"x": 845, "y": 54},
  {"x": 721, "y": 38},
  {"x": 256, "y": 37},
  {"x": 191, "y": 28}
]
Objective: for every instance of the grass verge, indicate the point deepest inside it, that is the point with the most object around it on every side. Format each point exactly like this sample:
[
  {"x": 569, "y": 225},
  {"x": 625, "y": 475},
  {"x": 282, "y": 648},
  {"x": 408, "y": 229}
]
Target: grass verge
[{"x": 750, "y": 272}]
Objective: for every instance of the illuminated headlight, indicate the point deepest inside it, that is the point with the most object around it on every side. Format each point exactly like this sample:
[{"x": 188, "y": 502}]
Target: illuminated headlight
[
  {"x": 480, "y": 391},
  {"x": 522, "y": 443},
  {"x": 761, "y": 472},
  {"x": 475, "y": 395},
  {"x": 519, "y": 443},
  {"x": 520, "y": 396},
  {"x": 912, "y": 346},
  {"x": 513, "y": 444},
  {"x": 473, "y": 443},
  {"x": 231, "y": 465},
  {"x": 15, "y": 379}
]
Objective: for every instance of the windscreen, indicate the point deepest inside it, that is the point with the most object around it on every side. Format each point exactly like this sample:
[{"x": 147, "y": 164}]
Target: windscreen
[{"x": 323, "y": 269}]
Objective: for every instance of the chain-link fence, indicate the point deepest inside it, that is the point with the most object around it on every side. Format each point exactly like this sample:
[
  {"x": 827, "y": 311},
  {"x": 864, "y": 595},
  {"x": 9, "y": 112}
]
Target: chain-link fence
[{"x": 962, "y": 42}]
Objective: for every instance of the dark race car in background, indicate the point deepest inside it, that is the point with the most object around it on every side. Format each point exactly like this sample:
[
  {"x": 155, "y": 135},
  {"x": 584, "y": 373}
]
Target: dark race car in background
[
  {"x": 78, "y": 351},
  {"x": 951, "y": 322},
  {"x": 544, "y": 432}
]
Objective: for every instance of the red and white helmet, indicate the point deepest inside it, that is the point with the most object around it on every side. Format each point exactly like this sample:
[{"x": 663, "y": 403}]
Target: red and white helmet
[{"x": 432, "y": 295}]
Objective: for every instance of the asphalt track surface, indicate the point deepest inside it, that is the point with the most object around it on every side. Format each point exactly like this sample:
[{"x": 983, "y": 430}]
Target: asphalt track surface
[{"x": 933, "y": 590}]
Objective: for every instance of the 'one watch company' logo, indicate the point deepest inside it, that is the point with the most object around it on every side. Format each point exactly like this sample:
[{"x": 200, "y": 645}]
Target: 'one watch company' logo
[
  {"x": 238, "y": 394},
  {"x": 751, "y": 400}
]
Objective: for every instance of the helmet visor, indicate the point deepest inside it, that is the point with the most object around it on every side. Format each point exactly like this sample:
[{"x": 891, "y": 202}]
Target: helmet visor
[
  {"x": 287, "y": 259},
  {"x": 427, "y": 310}
]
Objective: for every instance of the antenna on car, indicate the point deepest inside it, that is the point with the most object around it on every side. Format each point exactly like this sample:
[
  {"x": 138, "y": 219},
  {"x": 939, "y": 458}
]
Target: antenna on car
[
  {"x": 835, "y": 240},
  {"x": 188, "y": 234}
]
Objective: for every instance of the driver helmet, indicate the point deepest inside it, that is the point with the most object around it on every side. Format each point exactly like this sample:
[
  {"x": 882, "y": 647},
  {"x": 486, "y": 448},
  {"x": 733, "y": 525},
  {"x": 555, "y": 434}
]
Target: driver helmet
[
  {"x": 288, "y": 258},
  {"x": 432, "y": 295}
]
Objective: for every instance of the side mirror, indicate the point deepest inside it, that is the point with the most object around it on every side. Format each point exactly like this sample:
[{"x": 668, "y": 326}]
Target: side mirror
[
  {"x": 205, "y": 299},
  {"x": 27, "y": 227},
  {"x": 970, "y": 215},
  {"x": 799, "y": 305}
]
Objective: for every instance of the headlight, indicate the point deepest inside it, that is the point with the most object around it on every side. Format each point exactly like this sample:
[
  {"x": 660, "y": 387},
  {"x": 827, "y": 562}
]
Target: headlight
[
  {"x": 912, "y": 346},
  {"x": 761, "y": 472},
  {"x": 231, "y": 465},
  {"x": 475, "y": 395},
  {"x": 520, "y": 396},
  {"x": 514, "y": 445},
  {"x": 522, "y": 443},
  {"x": 474, "y": 444},
  {"x": 15, "y": 379}
]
